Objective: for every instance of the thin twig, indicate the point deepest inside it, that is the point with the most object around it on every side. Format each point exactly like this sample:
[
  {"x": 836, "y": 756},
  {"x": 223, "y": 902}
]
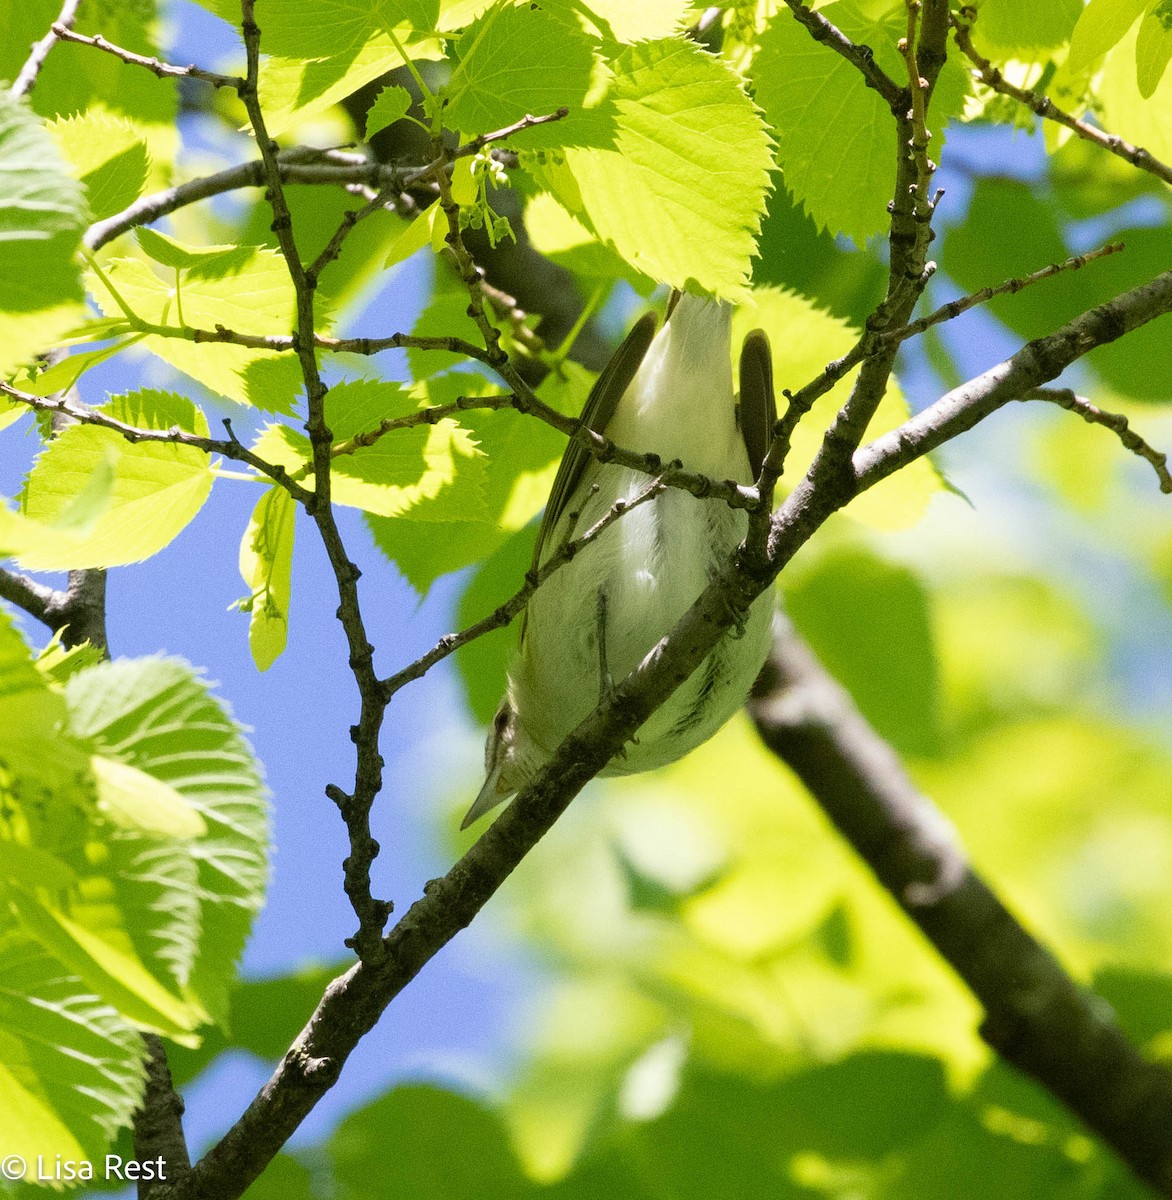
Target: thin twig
[
  {"x": 350, "y": 219},
  {"x": 954, "y": 308},
  {"x": 1044, "y": 107},
  {"x": 503, "y": 614},
  {"x": 231, "y": 448},
  {"x": 26, "y": 80},
  {"x": 154, "y": 65},
  {"x": 1034, "y": 365},
  {"x": 425, "y": 416},
  {"x": 909, "y": 235},
  {"x": 1116, "y": 422},
  {"x": 917, "y": 117}
]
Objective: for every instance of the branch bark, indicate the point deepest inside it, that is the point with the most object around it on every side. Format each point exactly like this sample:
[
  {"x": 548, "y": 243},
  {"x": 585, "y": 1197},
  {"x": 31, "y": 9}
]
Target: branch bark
[{"x": 1036, "y": 1017}]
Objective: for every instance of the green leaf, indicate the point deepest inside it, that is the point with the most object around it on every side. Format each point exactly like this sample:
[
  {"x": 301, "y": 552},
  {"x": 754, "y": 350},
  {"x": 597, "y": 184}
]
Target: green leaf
[
  {"x": 398, "y": 471},
  {"x": 834, "y": 134},
  {"x": 61, "y": 376},
  {"x": 1101, "y": 25},
  {"x": 1009, "y": 25},
  {"x": 498, "y": 79},
  {"x": 57, "y": 664},
  {"x": 495, "y": 493},
  {"x": 1153, "y": 48},
  {"x": 245, "y": 288},
  {"x": 680, "y": 191},
  {"x": 42, "y": 216},
  {"x": 35, "y": 757},
  {"x": 869, "y": 623},
  {"x": 134, "y": 800},
  {"x": 292, "y": 86},
  {"x": 390, "y": 105},
  {"x": 112, "y": 970},
  {"x": 157, "y": 488},
  {"x": 429, "y": 1143},
  {"x": 158, "y": 716},
  {"x": 266, "y": 564},
  {"x": 339, "y": 26},
  {"x": 71, "y": 1071},
  {"x": 484, "y": 662},
  {"x": 168, "y": 252},
  {"x": 564, "y": 240},
  {"x": 1141, "y": 1000},
  {"x": 642, "y": 22},
  {"x": 108, "y": 154},
  {"x": 1144, "y": 121}
]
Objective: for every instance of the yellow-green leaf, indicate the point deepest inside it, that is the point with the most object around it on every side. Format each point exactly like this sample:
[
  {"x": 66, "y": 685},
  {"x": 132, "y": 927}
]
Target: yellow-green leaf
[
  {"x": 266, "y": 564},
  {"x": 157, "y": 487},
  {"x": 134, "y": 800}
]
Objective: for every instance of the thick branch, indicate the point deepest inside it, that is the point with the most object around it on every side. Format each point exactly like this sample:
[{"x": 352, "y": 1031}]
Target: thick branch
[
  {"x": 290, "y": 165},
  {"x": 158, "y": 1124},
  {"x": 1036, "y": 1017},
  {"x": 1036, "y": 363},
  {"x": 34, "y": 598}
]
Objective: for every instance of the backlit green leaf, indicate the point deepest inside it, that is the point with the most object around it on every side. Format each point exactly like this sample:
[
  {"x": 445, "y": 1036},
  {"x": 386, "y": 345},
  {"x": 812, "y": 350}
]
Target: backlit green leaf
[
  {"x": 71, "y": 1073},
  {"x": 680, "y": 189},
  {"x": 266, "y": 564},
  {"x": 157, "y": 488},
  {"x": 110, "y": 157},
  {"x": 498, "y": 79},
  {"x": 158, "y": 716},
  {"x": 42, "y": 215},
  {"x": 390, "y": 105}
]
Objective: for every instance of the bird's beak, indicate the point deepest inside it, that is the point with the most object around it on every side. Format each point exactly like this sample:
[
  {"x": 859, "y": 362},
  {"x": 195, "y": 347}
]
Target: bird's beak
[{"x": 490, "y": 795}]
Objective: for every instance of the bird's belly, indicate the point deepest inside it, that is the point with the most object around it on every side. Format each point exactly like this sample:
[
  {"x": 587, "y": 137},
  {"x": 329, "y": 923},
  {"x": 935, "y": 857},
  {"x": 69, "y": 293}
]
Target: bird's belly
[{"x": 629, "y": 587}]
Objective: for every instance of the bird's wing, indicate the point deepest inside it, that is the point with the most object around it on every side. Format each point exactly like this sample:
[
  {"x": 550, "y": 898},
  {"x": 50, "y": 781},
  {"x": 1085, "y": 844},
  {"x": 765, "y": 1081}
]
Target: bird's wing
[
  {"x": 599, "y": 408},
  {"x": 758, "y": 404}
]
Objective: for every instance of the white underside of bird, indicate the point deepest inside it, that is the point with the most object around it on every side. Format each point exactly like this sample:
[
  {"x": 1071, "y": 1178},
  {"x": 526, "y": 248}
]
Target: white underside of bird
[{"x": 631, "y": 584}]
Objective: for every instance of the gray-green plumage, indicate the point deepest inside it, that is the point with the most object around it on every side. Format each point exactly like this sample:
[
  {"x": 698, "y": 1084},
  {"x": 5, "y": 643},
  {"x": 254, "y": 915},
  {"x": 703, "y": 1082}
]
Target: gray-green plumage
[{"x": 669, "y": 393}]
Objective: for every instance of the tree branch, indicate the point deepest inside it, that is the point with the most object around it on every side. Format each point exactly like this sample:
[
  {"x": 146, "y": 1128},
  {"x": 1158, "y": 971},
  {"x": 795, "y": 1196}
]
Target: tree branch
[
  {"x": 26, "y": 80},
  {"x": 1036, "y": 1017},
  {"x": 1036, "y": 363},
  {"x": 158, "y": 1124},
  {"x": 61, "y": 405},
  {"x": 1044, "y": 107},
  {"x": 155, "y": 66},
  {"x": 34, "y": 598},
  {"x": 372, "y": 913},
  {"x": 352, "y": 1004},
  {"x": 1116, "y": 422}
]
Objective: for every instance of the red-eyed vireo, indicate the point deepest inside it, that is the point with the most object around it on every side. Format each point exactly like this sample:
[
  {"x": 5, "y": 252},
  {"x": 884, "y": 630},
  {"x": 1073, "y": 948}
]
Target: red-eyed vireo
[{"x": 595, "y": 618}]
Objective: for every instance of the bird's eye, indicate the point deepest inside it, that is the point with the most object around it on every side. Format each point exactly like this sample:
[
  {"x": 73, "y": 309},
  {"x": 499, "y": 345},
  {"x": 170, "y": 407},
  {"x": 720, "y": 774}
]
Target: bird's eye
[{"x": 501, "y": 719}]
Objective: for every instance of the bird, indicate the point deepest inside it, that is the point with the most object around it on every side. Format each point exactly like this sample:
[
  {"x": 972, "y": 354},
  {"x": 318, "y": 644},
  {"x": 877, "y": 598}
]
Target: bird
[{"x": 668, "y": 391}]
